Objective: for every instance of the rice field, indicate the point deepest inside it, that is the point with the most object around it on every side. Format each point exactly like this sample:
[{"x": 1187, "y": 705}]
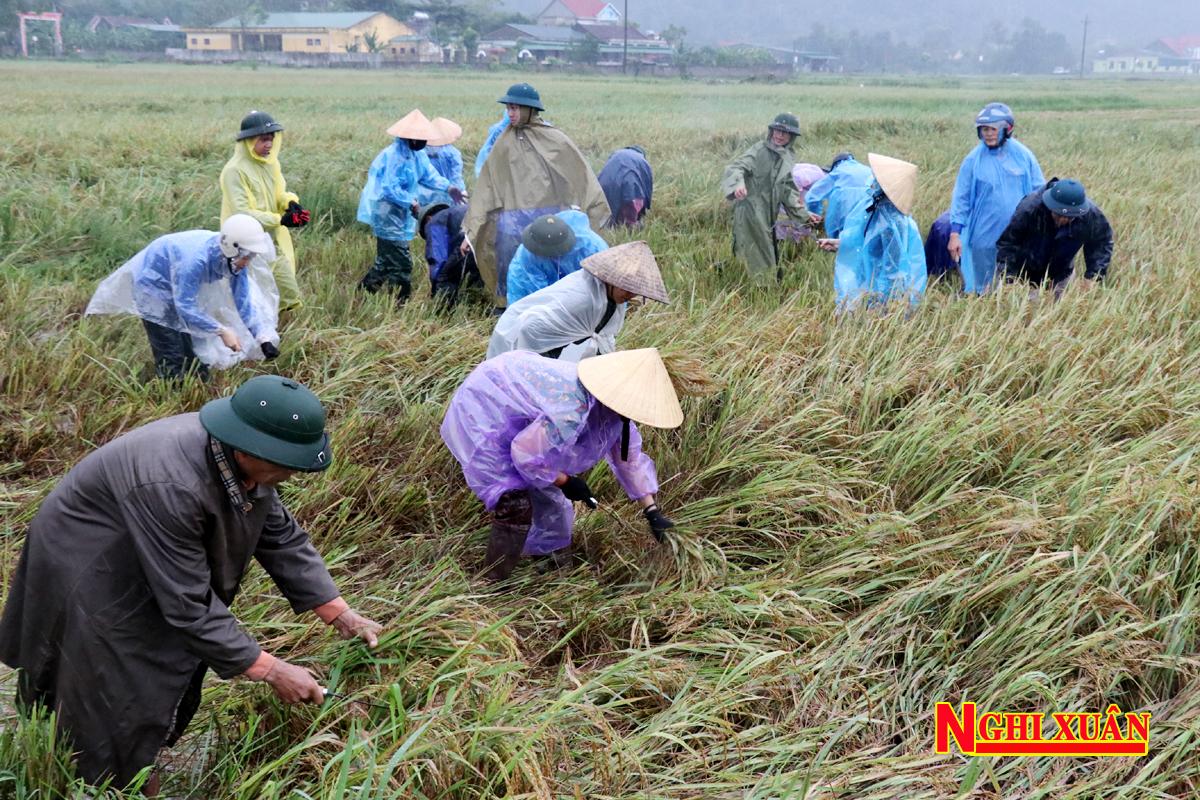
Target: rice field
[{"x": 991, "y": 501}]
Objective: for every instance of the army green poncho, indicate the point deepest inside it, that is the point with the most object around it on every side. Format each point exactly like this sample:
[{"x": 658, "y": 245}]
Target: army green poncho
[
  {"x": 765, "y": 170},
  {"x": 533, "y": 170}
]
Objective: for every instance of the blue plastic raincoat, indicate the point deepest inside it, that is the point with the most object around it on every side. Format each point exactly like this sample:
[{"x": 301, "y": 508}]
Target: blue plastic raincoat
[
  {"x": 493, "y": 134},
  {"x": 837, "y": 193},
  {"x": 393, "y": 183},
  {"x": 627, "y": 177},
  {"x": 447, "y": 161},
  {"x": 991, "y": 181},
  {"x": 527, "y": 273},
  {"x": 880, "y": 254},
  {"x": 520, "y": 419}
]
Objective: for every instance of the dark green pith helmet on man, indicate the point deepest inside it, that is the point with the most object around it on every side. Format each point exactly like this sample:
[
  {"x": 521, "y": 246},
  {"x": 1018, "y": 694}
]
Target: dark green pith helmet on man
[
  {"x": 522, "y": 94},
  {"x": 548, "y": 237},
  {"x": 256, "y": 123},
  {"x": 788, "y": 123},
  {"x": 274, "y": 419}
]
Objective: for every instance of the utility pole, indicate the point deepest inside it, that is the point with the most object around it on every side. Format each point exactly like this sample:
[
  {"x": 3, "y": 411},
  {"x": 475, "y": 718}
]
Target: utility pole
[
  {"x": 1083, "y": 51},
  {"x": 625, "y": 47}
]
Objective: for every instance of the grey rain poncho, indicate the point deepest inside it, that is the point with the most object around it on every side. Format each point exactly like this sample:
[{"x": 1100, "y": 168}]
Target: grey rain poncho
[{"x": 563, "y": 316}]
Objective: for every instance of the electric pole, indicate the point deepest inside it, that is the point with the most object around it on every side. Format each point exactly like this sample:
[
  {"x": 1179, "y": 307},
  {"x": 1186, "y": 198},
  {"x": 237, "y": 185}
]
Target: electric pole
[
  {"x": 1083, "y": 51},
  {"x": 625, "y": 47}
]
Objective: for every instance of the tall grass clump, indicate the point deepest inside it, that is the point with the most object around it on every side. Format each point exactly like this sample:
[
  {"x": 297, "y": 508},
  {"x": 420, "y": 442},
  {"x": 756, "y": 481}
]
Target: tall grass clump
[{"x": 991, "y": 500}]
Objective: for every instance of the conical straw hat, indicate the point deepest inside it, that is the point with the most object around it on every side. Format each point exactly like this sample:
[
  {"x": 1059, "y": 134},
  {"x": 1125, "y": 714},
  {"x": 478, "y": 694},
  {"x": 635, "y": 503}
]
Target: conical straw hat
[
  {"x": 414, "y": 125},
  {"x": 635, "y": 384},
  {"x": 897, "y": 178},
  {"x": 631, "y": 267},
  {"x": 448, "y": 131}
]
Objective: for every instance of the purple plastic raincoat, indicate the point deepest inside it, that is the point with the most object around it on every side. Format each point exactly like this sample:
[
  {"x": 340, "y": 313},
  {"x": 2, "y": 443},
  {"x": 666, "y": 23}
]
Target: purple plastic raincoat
[{"x": 520, "y": 419}]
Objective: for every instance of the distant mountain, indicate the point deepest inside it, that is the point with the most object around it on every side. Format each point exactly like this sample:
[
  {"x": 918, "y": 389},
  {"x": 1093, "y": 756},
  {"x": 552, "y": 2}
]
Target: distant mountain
[{"x": 778, "y": 22}]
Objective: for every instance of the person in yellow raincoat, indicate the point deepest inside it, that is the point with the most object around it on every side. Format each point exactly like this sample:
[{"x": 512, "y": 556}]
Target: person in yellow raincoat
[
  {"x": 252, "y": 183},
  {"x": 534, "y": 169}
]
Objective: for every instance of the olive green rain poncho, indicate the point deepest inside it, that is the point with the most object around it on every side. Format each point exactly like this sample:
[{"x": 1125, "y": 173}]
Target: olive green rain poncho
[
  {"x": 533, "y": 170},
  {"x": 765, "y": 170},
  {"x": 251, "y": 184}
]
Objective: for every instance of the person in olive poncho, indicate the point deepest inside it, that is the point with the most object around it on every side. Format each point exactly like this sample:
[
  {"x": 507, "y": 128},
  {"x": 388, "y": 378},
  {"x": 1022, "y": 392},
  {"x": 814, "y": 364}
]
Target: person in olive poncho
[
  {"x": 759, "y": 182},
  {"x": 121, "y": 600}
]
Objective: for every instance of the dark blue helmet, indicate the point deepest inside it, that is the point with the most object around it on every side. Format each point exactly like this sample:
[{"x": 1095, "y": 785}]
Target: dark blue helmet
[
  {"x": 522, "y": 94},
  {"x": 1066, "y": 198},
  {"x": 996, "y": 115}
]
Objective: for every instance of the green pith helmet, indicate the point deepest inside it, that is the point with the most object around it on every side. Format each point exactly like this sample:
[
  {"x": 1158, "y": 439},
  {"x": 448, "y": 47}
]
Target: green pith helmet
[
  {"x": 548, "y": 237},
  {"x": 1067, "y": 199},
  {"x": 256, "y": 123},
  {"x": 787, "y": 123},
  {"x": 272, "y": 418},
  {"x": 426, "y": 213},
  {"x": 522, "y": 94}
]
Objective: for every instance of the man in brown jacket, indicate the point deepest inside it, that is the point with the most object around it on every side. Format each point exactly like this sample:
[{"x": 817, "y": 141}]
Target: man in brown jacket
[{"x": 120, "y": 602}]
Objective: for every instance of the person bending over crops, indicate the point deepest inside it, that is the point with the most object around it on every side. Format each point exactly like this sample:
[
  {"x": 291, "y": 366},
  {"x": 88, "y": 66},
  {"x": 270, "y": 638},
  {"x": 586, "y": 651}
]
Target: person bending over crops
[
  {"x": 205, "y": 298},
  {"x": 759, "y": 182},
  {"x": 389, "y": 203},
  {"x": 532, "y": 170},
  {"x": 252, "y": 183},
  {"x": 523, "y": 427},
  {"x": 1048, "y": 228},
  {"x": 446, "y": 161},
  {"x": 993, "y": 178},
  {"x": 120, "y": 601},
  {"x": 580, "y": 315},
  {"x": 628, "y": 183},
  {"x": 832, "y": 196},
  {"x": 552, "y": 247},
  {"x": 450, "y": 269},
  {"x": 880, "y": 255}
]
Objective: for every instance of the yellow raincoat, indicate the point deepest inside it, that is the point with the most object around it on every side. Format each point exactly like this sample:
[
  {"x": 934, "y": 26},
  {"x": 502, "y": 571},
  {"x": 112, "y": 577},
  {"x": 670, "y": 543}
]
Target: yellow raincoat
[{"x": 251, "y": 184}]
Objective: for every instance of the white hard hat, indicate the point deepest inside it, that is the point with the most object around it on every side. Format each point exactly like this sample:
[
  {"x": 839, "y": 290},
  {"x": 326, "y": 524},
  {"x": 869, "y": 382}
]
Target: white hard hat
[{"x": 241, "y": 234}]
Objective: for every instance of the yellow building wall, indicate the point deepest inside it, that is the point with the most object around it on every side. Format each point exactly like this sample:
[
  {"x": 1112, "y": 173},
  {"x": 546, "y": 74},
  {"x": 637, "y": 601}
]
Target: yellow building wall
[
  {"x": 208, "y": 40},
  {"x": 385, "y": 27},
  {"x": 310, "y": 42}
]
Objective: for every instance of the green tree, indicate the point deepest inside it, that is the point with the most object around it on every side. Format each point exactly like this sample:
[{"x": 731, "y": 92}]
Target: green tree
[
  {"x": 584, "y": 51},
  {"x": 470, "y": 43}
]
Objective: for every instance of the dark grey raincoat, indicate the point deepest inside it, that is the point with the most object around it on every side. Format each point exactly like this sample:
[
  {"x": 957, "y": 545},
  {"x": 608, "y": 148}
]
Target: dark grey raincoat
[{"x": 121, "y": 598}]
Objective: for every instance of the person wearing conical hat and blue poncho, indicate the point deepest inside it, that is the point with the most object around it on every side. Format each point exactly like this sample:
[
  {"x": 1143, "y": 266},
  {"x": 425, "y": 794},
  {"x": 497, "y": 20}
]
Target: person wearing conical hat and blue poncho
[
  {"x": 552, "y": 247},
  {"x": 525, "y": 427},
  {"x": 759, "y": 182},
  {"x": 832, "y": 196},
  {"x": 880, "y": 254},
  {"x": 580, "y": 315},
  {"x": 533, "y": 170},
  {"x": 389, "y": 202},
  {"x": 446, "y": 160},
  {"x": 993, "y": 178}
]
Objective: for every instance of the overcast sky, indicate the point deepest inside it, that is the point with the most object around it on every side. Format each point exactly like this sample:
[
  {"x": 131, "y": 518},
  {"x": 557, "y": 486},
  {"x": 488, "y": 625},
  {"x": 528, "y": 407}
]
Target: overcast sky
[{"x": 1126, "y": 22}]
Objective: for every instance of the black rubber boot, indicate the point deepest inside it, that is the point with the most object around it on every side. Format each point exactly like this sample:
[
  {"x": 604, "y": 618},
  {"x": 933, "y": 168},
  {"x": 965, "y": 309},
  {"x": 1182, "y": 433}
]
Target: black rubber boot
[{"x": 510, "y": 526}]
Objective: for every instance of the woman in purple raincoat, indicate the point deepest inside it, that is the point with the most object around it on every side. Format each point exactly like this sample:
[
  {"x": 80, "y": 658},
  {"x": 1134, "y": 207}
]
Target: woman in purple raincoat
[{"x": 524, "y": 426}]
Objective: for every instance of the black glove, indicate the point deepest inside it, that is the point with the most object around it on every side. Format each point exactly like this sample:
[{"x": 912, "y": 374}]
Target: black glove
[
  {"x": 577, "y": 489},
  {"x": 659, "y": 522},
  {"x": 294, "y": 216},
  {"x": 270, "y": 351}
]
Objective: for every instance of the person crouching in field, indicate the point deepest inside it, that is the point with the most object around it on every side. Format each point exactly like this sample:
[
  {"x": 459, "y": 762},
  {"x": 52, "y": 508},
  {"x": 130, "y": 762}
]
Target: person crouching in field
[
  {"x": 628, "y": 183},
  {"x": 252, "y": 183},
  {"x": 523, "y": 427},
  {"x": 389, "y": 203},
  {"x": 202, "y": 299},
  {"x": 759, "y": 182},
  {"x": 1048, "y": 228},
  {"x": 119, "y": 604},
  {"x": 880, "y": 254},
  {"x": 552, "y": 247},
  {"x": 832, "y": 196},
  {"x": 580, "y": 315},
  {"x": 450, "y": 268}
]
